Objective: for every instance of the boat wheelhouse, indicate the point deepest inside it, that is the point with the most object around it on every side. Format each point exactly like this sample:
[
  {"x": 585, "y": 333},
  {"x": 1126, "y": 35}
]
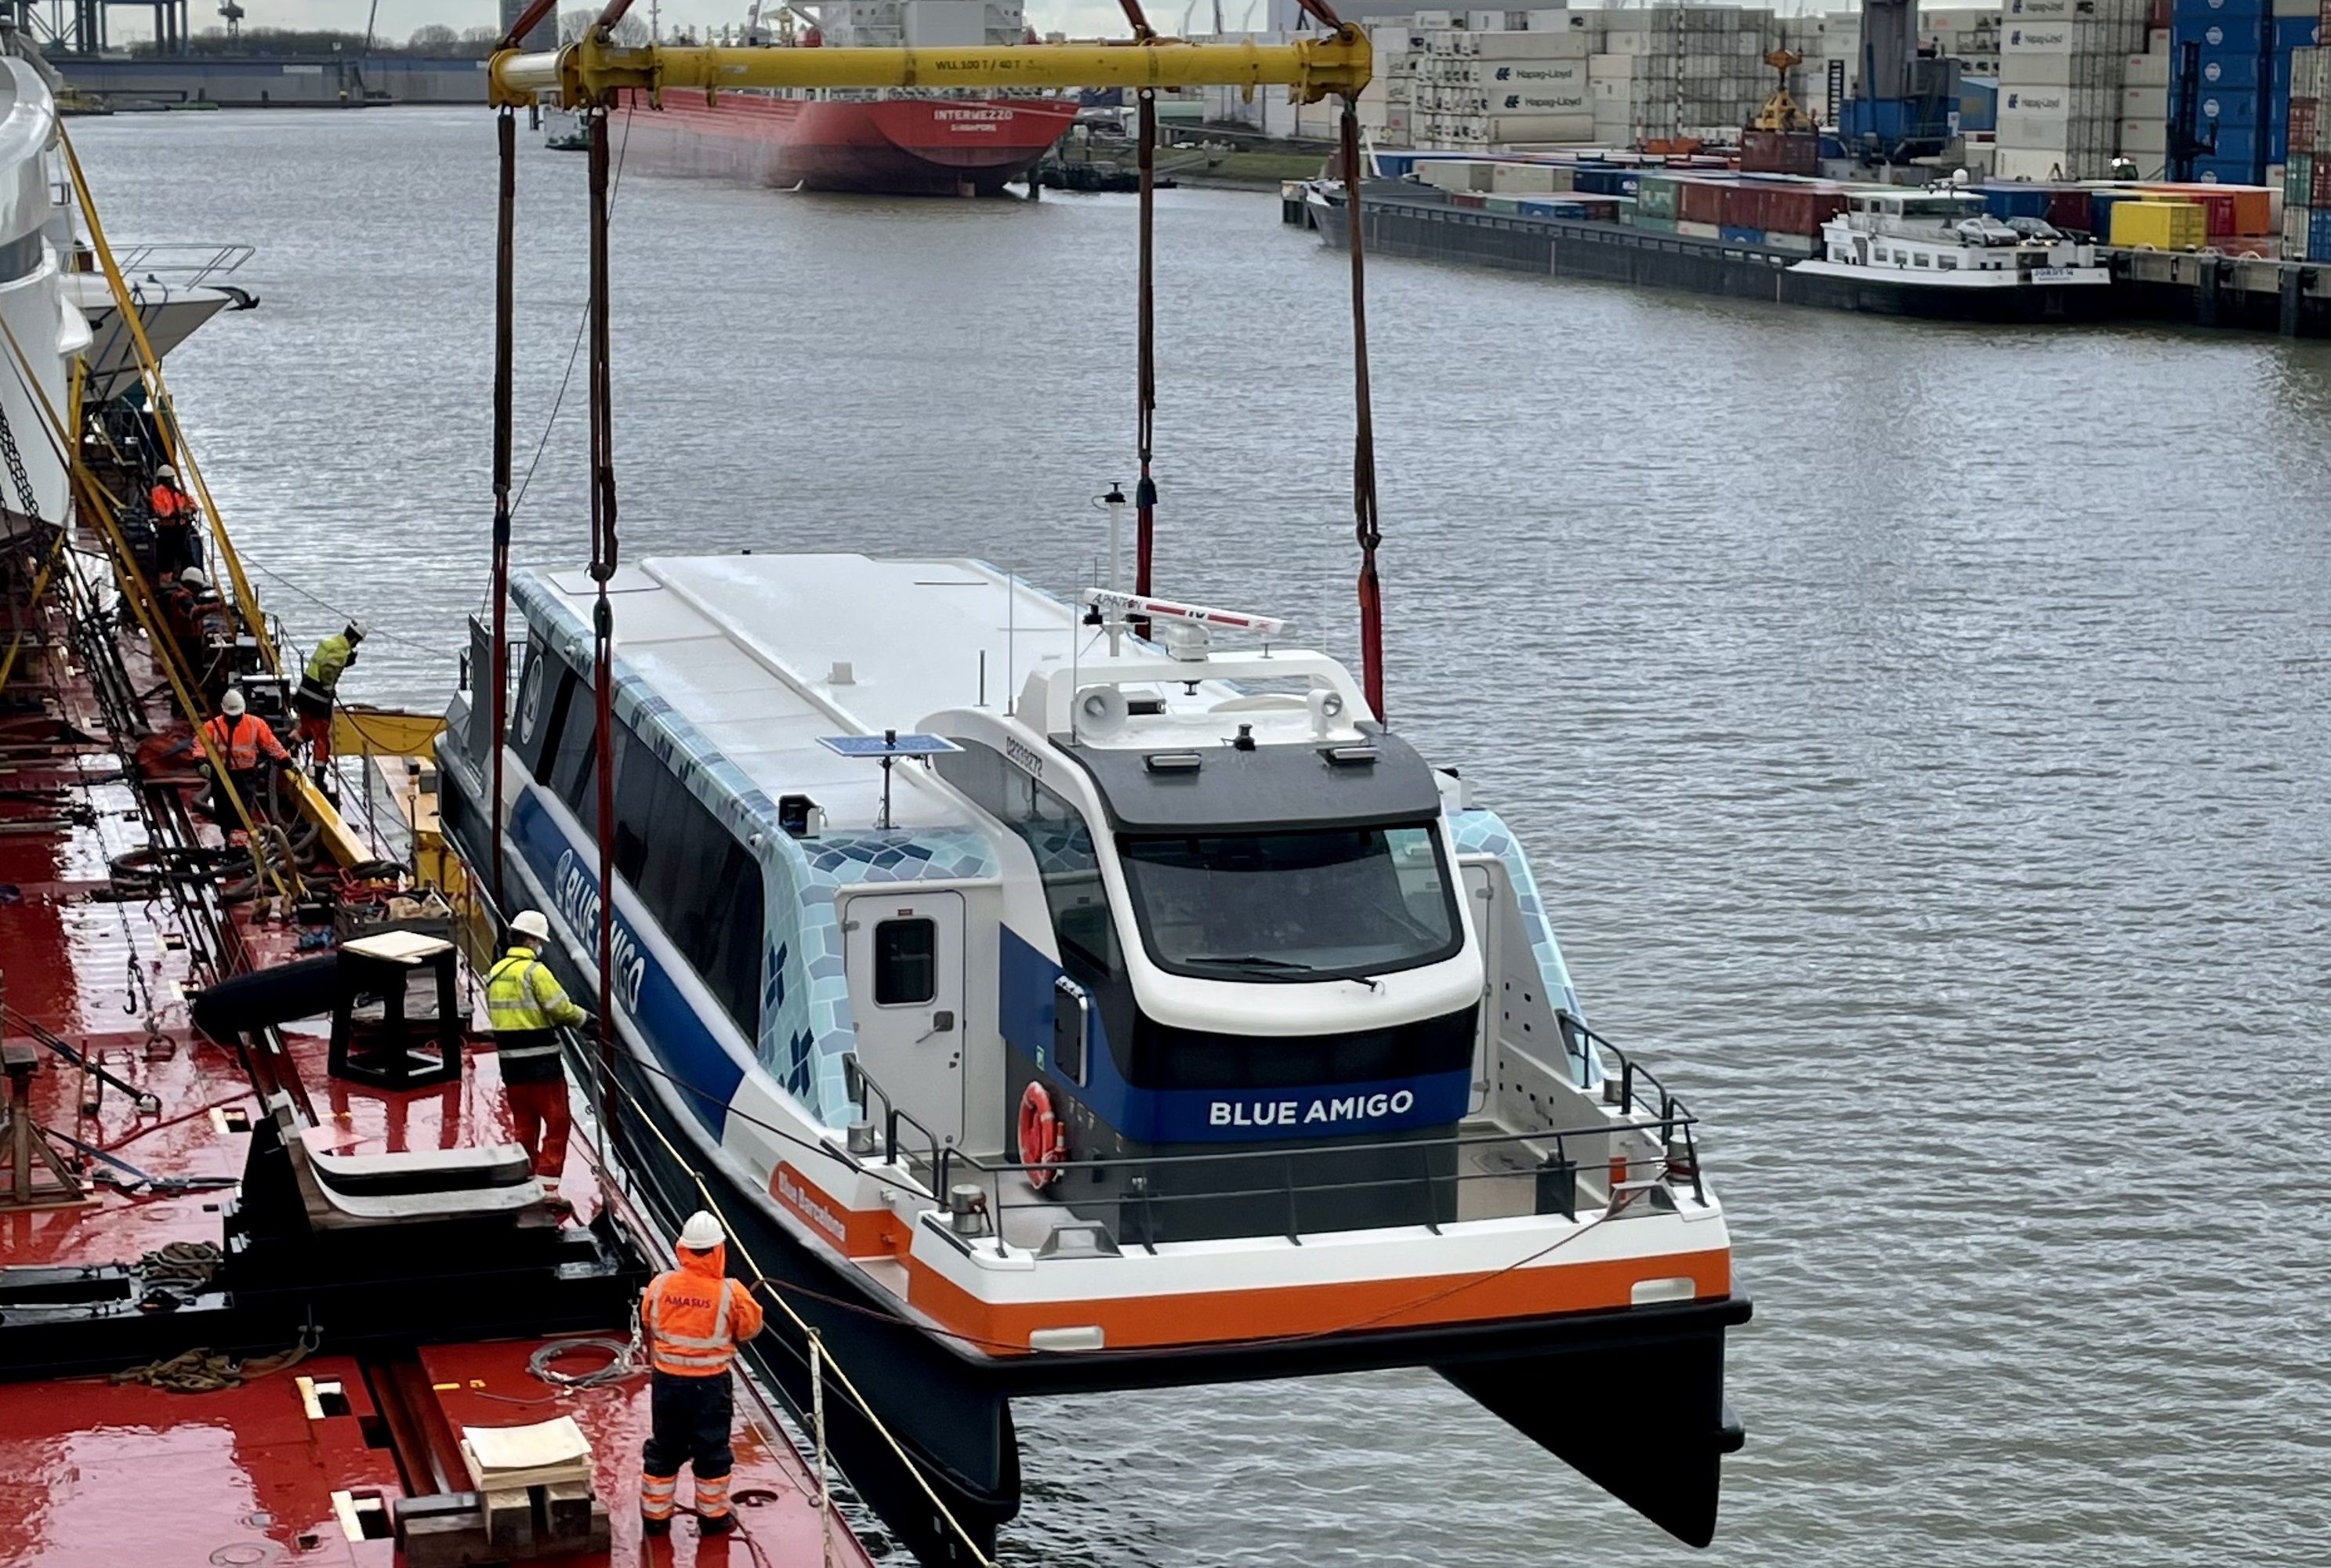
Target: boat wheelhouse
[
  {"x": 1059, "y": 1010},
  {"x": 1948, "y": 239}
]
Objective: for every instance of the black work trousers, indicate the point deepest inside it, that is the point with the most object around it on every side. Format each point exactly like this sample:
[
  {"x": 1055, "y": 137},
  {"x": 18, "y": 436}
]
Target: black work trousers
[{"x": 692, "y": 1416}]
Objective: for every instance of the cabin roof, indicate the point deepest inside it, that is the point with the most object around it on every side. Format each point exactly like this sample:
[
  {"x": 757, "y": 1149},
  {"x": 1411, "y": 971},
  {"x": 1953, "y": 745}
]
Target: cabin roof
[{"x": 763, "y": 655}]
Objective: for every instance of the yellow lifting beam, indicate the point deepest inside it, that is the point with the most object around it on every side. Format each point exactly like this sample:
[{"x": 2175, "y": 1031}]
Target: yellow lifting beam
[{"x": 593, "y": 71}]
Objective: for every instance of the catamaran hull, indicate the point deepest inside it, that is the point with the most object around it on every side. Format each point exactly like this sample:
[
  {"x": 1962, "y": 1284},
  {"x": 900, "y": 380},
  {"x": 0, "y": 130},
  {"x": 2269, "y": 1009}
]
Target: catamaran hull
[{"x": 1633, "y": 1398}]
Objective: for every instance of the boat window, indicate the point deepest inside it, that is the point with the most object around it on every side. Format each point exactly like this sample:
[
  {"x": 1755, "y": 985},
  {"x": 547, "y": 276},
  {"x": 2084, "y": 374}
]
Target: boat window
[
  {"x": 574, "y": 763},
  {"x": 530, "y": 724},
  {"x": 1948, "y": 263},
  {"x": 905, "y": 962},
  {"x": 1055, "y": 833},
  {"x": 1918, "y": 257},
  {"x": 1294, "y": 906},
  {"x": 700, "y": 884}
]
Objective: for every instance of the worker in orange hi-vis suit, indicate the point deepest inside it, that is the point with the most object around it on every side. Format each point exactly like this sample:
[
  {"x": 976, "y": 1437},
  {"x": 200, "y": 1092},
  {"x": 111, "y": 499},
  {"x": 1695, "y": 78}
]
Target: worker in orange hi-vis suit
[{"x": 694, "y": 1318}]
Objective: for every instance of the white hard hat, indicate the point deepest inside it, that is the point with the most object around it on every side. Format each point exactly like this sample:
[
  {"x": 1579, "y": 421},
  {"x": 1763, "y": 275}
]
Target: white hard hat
[
  {"x": 701, "y": 1233},
  {"x": 165, "y": 473},
  {"x": 232, "y": 704},
  {"x": 193, "y": 577},
  {"x": 531, "y": 923},
  {"x": 358, "y": 631}
]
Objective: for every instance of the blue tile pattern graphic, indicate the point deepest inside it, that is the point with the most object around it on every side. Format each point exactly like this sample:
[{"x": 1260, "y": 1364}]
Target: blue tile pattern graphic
[
  {"x": 1484, "y": 832},
  {"x": 806, "y": 1022}
]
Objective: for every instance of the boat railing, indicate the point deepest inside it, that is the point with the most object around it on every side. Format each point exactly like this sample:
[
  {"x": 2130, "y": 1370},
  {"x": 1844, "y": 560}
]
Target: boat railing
[
  {"x": 1504, "y": 1174},
  {"x": 1516, "y": 1173},
  {"x": 1634, "y": 1088},
  {"x": 182, "y": 264}
]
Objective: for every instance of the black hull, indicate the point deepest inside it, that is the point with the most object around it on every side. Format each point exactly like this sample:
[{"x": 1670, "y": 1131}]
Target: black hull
[
  {"x": 949, "y": 1405},
  {"x": 1427, "y": 229}
]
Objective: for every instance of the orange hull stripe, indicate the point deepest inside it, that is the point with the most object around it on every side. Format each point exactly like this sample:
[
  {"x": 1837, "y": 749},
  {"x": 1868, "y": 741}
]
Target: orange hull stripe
[
  {"x": 854, "y": 1232},
  {"x": 1203, "y": 1317}
]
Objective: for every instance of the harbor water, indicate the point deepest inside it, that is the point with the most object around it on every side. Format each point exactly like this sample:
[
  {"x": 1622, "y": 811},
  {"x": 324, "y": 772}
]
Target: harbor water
[{"x": 1922, "y": 731}]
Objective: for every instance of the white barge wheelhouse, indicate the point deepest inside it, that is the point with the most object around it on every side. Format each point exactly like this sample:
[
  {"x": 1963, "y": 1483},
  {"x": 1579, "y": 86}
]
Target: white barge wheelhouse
[
  {"x": 1946, "y": 240},
  {"x": 1156, "y": 1018}
]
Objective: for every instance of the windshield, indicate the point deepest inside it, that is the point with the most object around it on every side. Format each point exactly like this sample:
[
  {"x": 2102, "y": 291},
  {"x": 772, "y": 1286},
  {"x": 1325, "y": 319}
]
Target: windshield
[{"x": 1296, "y": 906}]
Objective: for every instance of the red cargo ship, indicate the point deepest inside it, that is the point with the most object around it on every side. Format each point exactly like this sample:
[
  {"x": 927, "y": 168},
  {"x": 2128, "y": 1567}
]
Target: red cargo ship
[{"x": 921, "y": 146}]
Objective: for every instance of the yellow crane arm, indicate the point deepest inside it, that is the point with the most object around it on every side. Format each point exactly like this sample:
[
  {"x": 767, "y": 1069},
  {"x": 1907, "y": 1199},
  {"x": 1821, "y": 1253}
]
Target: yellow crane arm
[{"x": 593, "y": 71}]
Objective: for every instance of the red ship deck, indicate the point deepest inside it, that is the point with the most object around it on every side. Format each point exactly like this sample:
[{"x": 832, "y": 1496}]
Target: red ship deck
[
  {"x": 111, "y": 1477},
  {"x": 94, "y": 1476}
]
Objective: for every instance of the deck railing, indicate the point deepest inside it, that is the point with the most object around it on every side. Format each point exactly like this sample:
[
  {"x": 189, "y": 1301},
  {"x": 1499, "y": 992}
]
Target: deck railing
[{"x": 1159, "y": 1197}]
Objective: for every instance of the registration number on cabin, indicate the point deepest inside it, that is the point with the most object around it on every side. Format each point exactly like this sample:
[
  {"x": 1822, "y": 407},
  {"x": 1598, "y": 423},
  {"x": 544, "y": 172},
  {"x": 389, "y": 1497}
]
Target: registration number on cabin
[{"x": 2054, "y": 274}]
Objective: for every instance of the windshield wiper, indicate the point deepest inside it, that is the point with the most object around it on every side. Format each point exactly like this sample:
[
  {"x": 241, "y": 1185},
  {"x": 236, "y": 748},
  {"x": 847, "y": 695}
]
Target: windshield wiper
[{"x": 1248, "y": 961}]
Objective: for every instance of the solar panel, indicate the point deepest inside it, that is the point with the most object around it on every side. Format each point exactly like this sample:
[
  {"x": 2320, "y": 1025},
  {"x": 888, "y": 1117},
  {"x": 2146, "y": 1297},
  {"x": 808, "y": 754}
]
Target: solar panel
[{"x": 889, "y": 743}]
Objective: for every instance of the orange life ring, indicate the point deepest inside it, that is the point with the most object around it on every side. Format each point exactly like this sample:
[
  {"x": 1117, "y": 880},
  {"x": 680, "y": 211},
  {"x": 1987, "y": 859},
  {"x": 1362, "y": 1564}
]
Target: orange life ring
[{"x": 1043, "y": 1141}]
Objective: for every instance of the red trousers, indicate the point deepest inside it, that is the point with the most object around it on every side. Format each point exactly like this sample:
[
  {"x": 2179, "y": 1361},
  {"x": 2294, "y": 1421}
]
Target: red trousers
[
  {"x": 316, "y": 731},
  {"x": 539, "y": 1116}
]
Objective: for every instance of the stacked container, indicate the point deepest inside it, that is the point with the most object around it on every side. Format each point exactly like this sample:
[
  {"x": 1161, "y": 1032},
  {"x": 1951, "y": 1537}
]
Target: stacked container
[
  {"x": 2307, "y": 175},
  {"x": 2061, "y": 79},
  {"x": 1964, "y": 34},
  {"x": 2234, "y": 84},
  {"x": 1479, "y": 88},
  {"x": 2144, "y": 112},
  {"x": 1679, "y": 70},
  {"x": 1387, "y": 103}
]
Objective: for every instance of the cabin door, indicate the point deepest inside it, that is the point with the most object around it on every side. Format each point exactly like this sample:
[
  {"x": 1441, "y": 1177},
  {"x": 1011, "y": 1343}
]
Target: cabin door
[{"x": 903, "y": 952}]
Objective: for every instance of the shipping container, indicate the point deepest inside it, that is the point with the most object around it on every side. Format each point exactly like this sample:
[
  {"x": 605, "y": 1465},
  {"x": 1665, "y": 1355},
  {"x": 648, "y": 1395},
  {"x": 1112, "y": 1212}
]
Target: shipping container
[
  {"x": 2267, "y": 246},
  {"x": 2069, "y": 207},
  {"x": 1701, "y": 201},
  {"x": 1656, "y": 196},
  {"x": 2015, "y": 200},
  {"x": 2232, "y": 110},
  {"x": 1801, "y": 209},
  {"x": 1736, "y": 235},
  {"x": 2257, "y": 10},
  {"x": 2232, "y": 69},
  {"x": 1606, "y": 181},
  {"x": 2319, "y": 234},
  {"x": 2160, "y": 225},
  {"x": 2230, "y": 209},
  {"x": 1700, "y": 230}
]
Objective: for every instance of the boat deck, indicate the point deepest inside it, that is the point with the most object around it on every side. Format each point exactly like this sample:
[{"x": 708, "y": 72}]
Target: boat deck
[
  {"x": 304, "y": 1463},
  {"x": 91, "y": 1473}
]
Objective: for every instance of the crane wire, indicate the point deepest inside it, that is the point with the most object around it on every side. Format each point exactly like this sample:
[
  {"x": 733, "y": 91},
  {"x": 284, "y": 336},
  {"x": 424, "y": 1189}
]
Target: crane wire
[{"x": 615, "y": 185}]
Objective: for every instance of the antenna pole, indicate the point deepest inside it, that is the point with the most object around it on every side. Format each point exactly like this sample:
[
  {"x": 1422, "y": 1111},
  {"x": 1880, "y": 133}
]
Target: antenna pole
[
  {"x": 603, "y": 557},
  {"x": 1364, "y": 430},
  {"x": 1144, "y": 491},
  {"x": 505, "y": 265}
]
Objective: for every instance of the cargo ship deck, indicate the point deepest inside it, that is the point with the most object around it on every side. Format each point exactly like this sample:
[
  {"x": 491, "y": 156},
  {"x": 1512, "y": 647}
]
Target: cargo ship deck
[
  {"x": 127, "y": 1252},
  {"x": 2201, "y": 289}
]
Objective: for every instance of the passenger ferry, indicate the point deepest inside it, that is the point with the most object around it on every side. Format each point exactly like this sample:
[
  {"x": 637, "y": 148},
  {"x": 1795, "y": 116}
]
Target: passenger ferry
[{"x": 1058, "y": 1009}]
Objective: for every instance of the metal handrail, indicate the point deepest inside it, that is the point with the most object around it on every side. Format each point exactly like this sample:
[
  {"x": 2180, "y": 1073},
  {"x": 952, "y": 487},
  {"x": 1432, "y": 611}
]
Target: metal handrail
[
  {"x": 204, "y": 260},
  {"x": 1580, "y": 1039},
  {"x": 1659, "y": 1114}
]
